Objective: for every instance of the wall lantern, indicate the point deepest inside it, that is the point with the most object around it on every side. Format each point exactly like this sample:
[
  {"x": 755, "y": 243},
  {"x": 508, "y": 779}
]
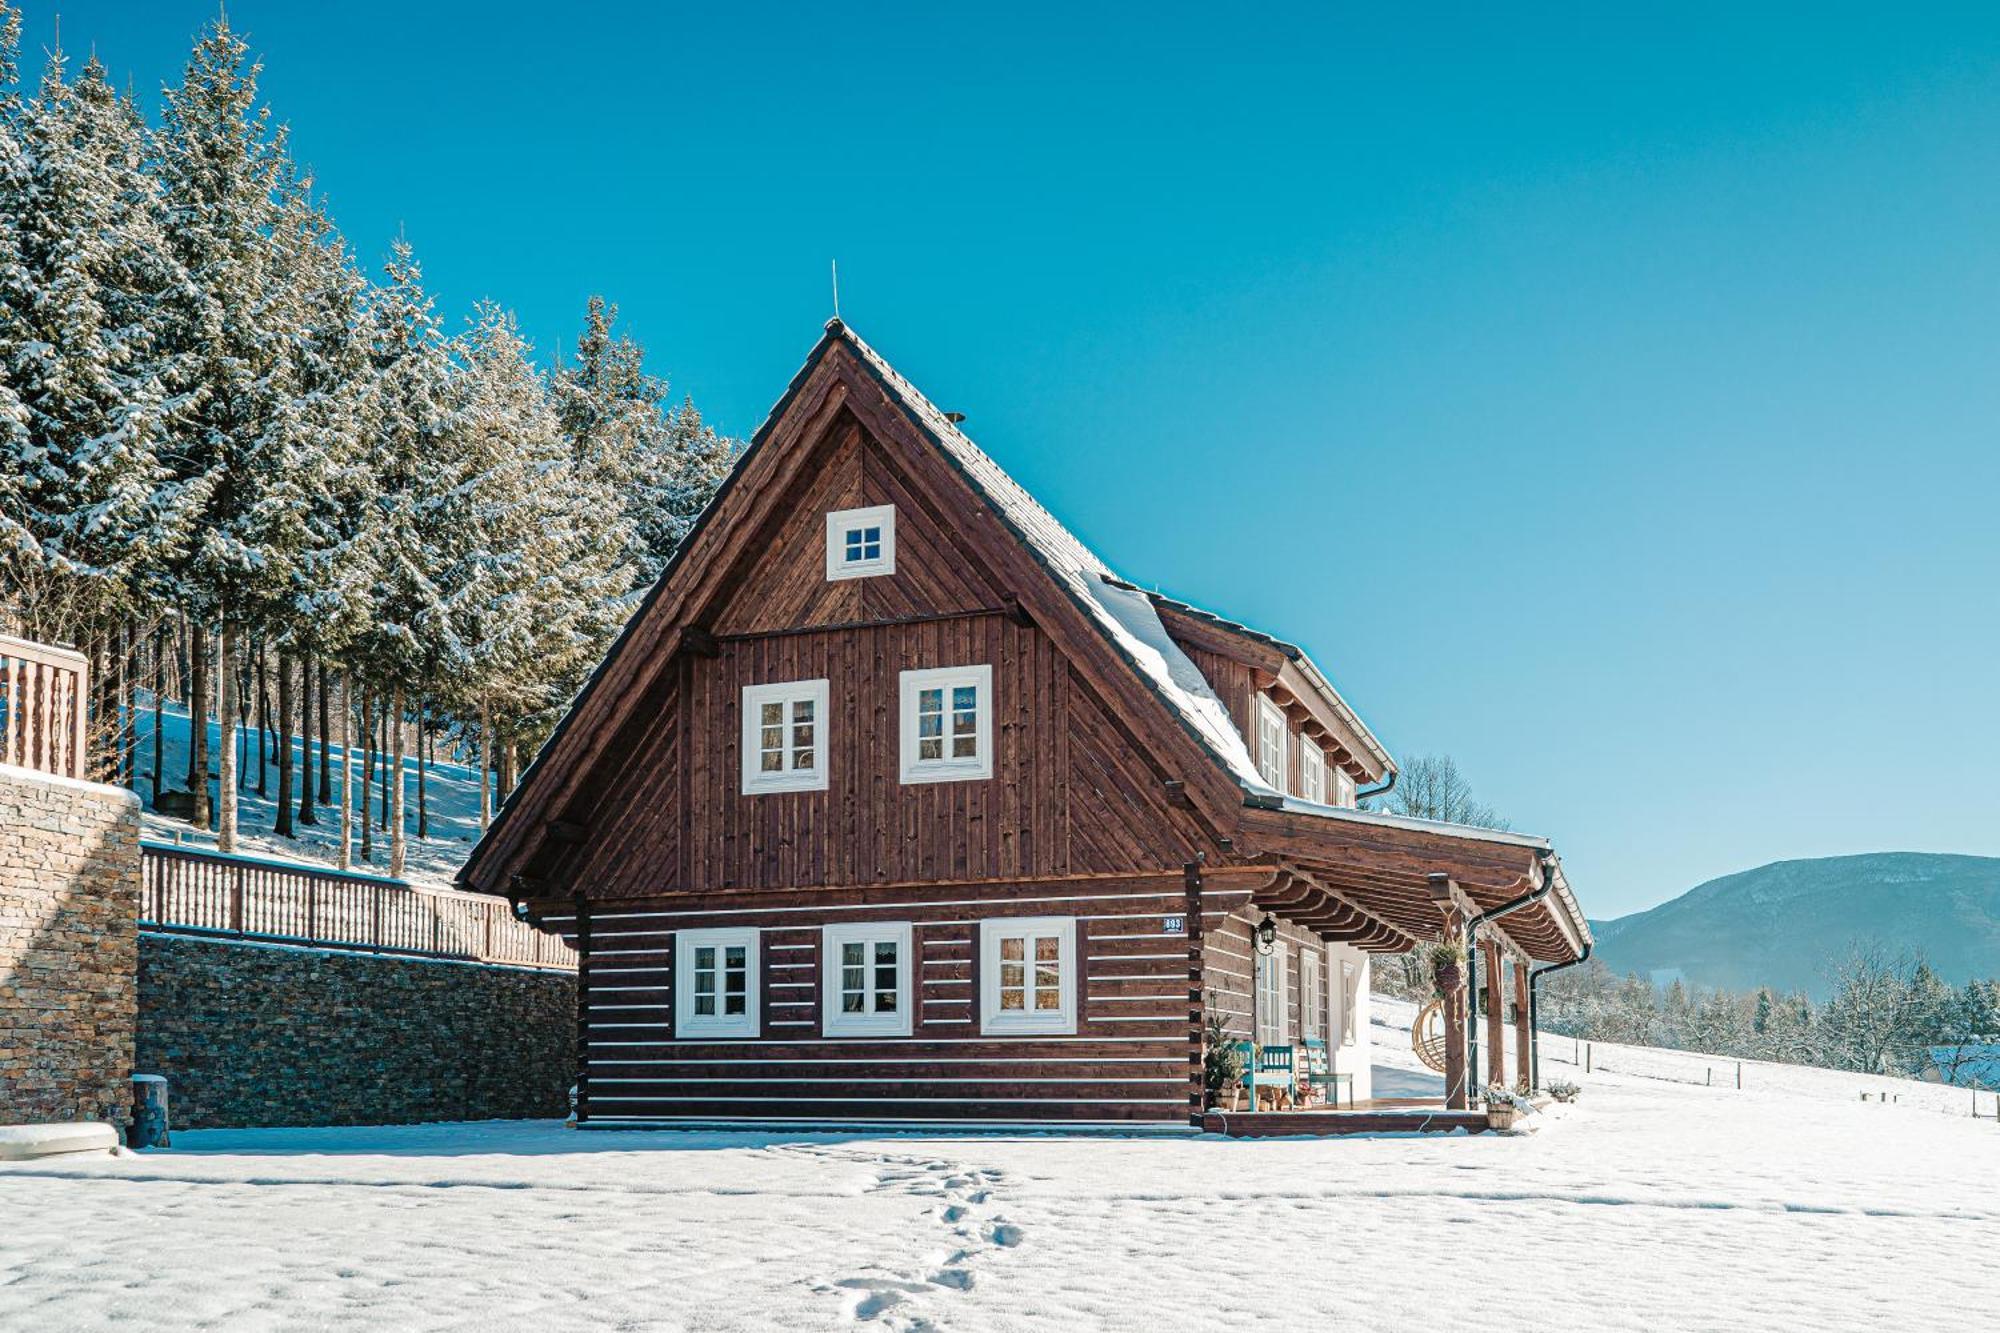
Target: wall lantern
[{"x": 1267, "y": 934}]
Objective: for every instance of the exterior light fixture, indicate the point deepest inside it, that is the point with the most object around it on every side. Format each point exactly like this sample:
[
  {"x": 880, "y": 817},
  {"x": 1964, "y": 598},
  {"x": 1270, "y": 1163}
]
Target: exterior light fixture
[{"x": 1267, "y": 934}]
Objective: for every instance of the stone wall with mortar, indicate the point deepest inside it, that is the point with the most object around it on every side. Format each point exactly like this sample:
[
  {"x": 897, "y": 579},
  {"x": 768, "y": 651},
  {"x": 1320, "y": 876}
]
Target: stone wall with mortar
[
  {"x": 251, "y": 1034},
  {"x": 69, "y": 909}
]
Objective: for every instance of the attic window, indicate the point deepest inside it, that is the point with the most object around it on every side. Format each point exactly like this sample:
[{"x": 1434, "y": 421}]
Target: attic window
[
  {"x": 861, "y": 542},
  {"x": 1343, "y": 789},
  {"x": 1270, "y": 742},
  {"x": 1312, "y": 772}
]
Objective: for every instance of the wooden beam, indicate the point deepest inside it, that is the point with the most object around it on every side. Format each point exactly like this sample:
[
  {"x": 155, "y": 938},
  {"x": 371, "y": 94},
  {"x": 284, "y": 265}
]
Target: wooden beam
[{"x": 699, "y": 642}]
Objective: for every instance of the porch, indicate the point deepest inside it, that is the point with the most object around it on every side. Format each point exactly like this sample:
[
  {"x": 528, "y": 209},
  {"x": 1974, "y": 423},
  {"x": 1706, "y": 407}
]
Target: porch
[{"x": 1378, "y": 1115}]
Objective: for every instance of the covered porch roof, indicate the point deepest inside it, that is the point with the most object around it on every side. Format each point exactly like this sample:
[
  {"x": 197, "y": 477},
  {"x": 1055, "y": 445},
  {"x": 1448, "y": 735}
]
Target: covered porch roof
[{"x": 1373, "y": 880}]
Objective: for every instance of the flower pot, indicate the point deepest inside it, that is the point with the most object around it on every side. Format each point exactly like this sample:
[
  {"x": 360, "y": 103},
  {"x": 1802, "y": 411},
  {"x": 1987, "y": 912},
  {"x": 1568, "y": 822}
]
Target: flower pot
[
  {"x": 1449, "y": 977},
  {"x": 1502, "y": 1116}
]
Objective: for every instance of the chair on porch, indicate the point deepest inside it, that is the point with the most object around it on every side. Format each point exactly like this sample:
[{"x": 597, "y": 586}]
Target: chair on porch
[
  {"x": 1270, "y": 1065},
  {"x": 1319, "y": 1073}
]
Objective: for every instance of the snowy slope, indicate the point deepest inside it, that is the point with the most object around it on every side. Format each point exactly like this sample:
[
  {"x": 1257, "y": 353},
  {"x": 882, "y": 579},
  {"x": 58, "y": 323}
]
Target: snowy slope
[
  {"x": 452, "y": 794},
  {"x": 1651, "y": 1204}
]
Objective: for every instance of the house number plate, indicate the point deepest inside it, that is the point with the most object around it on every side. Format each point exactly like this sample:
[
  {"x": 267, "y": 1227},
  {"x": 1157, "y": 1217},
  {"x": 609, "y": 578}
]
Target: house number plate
[{"x": 1173, "y": 925}]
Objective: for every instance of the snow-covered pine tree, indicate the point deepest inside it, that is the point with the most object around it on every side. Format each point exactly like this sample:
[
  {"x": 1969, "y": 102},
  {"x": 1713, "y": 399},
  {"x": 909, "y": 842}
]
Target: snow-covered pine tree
[
  {"x": 18, "y": 551},
  {"x": 663, "y": 462},
  {"x": 222, "y": 166},
  {"x": 411, "y": 636}
]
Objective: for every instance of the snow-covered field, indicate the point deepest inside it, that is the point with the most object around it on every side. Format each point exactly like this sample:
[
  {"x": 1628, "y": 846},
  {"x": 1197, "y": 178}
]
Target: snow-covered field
[
  {"x": 1651, "y": 1204},
  {"x": 451, "y": 792}
]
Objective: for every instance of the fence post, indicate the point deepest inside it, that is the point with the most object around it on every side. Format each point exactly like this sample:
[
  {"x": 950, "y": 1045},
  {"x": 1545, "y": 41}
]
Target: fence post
[
  {"x": 236, "y": 897},
  {"x": 375, "y": 918},
  {"x": 1739, "y": 1076},
  {"x": 312, "y": 909},
  {"x": 1586, "y": 1057}
]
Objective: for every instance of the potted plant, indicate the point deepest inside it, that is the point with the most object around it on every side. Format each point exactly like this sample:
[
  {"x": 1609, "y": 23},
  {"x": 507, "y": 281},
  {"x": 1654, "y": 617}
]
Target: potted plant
[
  {"x": 1447, "y": 959},
  {"x": 1505, "y": 1106},
  {"x": 1222, "y": 1058},
  {"x": 1563, "y": 1090}
]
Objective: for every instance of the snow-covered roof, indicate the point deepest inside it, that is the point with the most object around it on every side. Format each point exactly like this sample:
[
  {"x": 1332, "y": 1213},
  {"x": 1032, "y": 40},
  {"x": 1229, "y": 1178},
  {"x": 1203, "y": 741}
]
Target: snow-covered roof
[{"x": 1126, "y": 615}]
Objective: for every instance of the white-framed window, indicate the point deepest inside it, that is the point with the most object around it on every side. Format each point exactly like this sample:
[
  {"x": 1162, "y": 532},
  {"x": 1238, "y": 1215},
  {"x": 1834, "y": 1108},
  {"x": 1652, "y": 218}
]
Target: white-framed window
[
  {"x": 866, "y": 990},
  {"x": 1312, "y": 772},
  {"x": 1027, "y": 975},
  {"x": 861, "y": 542},
  {"x": 784, "y": 737},
  {"x": 1309, "y": 993},
  {"x": 947, "y": 724},
  {"x": 1274, "y": 1026},
  {"x": 715, "y": 983},
  {"x": 1343, "y": 788},
  {"x": 1350, "y": 999},
  {"x": 1270, "y": 722}
]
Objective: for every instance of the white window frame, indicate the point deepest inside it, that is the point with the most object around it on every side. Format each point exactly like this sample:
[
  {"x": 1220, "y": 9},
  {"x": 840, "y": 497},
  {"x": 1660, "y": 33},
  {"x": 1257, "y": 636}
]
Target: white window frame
[
  {"x": 1269, "y": 724},
  {"x": 835, "y": 1021},
  {"x": 947, "y": 769},
  {"x": 1312, "y": 772},
  {"x": 1310, "y": 973},
  {"x": 688, "y": 1025},
  {"x": 1031, "y": 1022},
  {"x": 756, "y": 781},
  {"x": 840, "y": 523},
  {"x": 1343, "y": 788},
  {"x": 1273, "y": 1018}
]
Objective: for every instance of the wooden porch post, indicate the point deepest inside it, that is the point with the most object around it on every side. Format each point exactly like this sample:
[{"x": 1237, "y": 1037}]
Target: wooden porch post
[
  {"x": 1454, "y": 992},
  {"x": 1496, "y": 1016},
  {"x": 1523, "y": 1039}
]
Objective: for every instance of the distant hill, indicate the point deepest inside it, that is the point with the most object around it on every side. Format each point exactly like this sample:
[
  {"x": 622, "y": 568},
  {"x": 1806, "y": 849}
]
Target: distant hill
[{"x": 1778, "y": 925}]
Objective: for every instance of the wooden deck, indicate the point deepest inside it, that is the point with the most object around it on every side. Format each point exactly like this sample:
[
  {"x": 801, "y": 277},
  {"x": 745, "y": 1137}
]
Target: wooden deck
[{"x": 1383, "y": 1115}]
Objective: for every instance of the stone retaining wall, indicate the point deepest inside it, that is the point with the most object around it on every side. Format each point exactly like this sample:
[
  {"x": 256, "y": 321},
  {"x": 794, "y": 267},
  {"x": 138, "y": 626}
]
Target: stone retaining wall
[
  {"x": 69, "y": 908},
  {"x": 251, "y": 1034}
]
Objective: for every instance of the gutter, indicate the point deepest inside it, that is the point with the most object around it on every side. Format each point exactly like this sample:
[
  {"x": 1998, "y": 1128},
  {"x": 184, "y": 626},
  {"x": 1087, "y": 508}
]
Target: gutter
[
  {"x": 1547, "y": 861},
  {"x": 1535, "y": 974},
  {"x": 1382, "y": 790}
]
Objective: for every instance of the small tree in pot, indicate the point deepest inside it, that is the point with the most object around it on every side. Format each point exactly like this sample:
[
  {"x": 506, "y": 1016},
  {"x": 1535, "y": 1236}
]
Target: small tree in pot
[{"x": 1221, "y": 1057}]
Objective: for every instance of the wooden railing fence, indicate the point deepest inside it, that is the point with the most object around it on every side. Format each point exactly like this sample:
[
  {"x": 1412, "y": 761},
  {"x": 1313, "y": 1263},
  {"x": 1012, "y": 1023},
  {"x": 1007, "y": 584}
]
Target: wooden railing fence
[
  {"x": 189, "y": 891},
  {"x": 43, "y": 697}
]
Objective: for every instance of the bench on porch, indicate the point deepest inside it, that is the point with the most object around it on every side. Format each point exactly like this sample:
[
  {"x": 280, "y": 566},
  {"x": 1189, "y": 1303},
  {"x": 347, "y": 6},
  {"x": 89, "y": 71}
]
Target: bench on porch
[
  {"x": 1319, "y": 1073},
  {"x": 1273, "y": 1067}
]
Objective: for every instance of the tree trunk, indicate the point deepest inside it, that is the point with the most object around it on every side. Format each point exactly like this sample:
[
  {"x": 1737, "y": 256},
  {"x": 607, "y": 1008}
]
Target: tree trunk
[
  {"x": 197, "y": 706},
  {"x": 423, "y": 770},
  {"x": 367, "y": 772},
  {"x": 306, "y": 815},
  {"x": 485, "y": 769},
  {"x": 326, "y": 750},
  {"x": 396, "y": 839},
  {"x": 385, "y": 724},
  {"x": 281, "y": 823},
  {"x": 225, "y": 708},
  {"x": 159, "y": 697},
  {"x": 346, "y": 765},
  {"x": 263, "y": 725},
  {"x": 128, "y": 690}
]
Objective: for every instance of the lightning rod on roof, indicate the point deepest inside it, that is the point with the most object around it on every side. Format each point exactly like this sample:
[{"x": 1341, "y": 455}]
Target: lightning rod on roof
[{"x": 836, "y": 289}]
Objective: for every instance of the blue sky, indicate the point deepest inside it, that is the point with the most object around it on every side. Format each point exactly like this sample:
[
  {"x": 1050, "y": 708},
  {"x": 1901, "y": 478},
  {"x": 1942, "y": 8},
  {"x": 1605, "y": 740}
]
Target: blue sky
[{"x": 1609, "y": 401}]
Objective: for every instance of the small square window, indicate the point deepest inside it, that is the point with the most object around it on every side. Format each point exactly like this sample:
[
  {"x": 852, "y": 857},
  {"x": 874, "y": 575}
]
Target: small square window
[
  {"x": 715, "y": 983},
  {"x": 861, "y": 542},
  {"x": 947, "y": 724},
  {"x": 867, "y": 981},
  {"x": 784, "y": 737}
]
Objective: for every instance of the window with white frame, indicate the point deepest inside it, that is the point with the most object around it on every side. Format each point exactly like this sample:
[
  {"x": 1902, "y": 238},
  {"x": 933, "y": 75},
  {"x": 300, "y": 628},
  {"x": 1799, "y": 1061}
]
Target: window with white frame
[
  {"x": 1273, "y": 1023},
  {"x": 866, "y": 988},
  {"x": 861, "y": 542},
  {"x": 1309, "y": 993},
  {"x": 715, "y": 983},
  {"x": 1270, "y": 723},
  {"x": 1343, "y": 789},
  {"x": 784, "y": 736},
  {"x": 947, "y": 724},
  {"x": 1027, "y": 975},
  {"x": 1350, "y": 999},
  {"x": 1312, "y": 772}
]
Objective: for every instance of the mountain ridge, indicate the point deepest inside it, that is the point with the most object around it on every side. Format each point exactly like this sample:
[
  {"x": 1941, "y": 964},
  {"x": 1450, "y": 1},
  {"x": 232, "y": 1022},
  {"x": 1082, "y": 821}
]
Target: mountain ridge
[{"x": 1784, "y": 923}]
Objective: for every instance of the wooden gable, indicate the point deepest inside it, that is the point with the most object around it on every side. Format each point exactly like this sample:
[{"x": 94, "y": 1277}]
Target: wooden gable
[{"x": 638, "y": 794}]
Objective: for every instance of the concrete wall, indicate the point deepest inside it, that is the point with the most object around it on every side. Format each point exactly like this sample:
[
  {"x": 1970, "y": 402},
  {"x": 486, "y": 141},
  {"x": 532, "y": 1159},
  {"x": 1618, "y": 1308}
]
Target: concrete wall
[
  {"x": 253, "y": 1034},
  {"x": 69, "y": 907}
]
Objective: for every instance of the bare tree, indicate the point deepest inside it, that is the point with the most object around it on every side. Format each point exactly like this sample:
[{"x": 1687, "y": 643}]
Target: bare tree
[{"x": 1431, "y": 787}]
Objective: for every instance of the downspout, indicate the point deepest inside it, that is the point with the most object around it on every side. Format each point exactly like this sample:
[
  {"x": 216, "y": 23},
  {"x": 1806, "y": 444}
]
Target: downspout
[
  {"x": 1372, "y": 792},
  {"x": 1535, "y": 974},
  {"x": 1472, "y": 966}
]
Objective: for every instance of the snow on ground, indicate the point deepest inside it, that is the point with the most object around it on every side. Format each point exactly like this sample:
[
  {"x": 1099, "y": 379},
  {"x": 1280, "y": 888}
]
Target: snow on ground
[
  {"x": 1650, "y": 1204},
  {"x": 452, "y": 794}
]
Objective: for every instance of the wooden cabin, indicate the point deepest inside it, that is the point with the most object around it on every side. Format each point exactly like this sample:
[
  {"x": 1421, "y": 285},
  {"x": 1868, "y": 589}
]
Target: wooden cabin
[{"x": 894, "y": 804}]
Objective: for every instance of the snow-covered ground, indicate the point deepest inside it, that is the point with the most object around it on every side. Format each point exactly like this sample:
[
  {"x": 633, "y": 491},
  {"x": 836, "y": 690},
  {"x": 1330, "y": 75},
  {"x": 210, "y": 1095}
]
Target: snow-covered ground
[
  {"x": 1651, "y": 1204},
  {"x": 451, "y": 792}
]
